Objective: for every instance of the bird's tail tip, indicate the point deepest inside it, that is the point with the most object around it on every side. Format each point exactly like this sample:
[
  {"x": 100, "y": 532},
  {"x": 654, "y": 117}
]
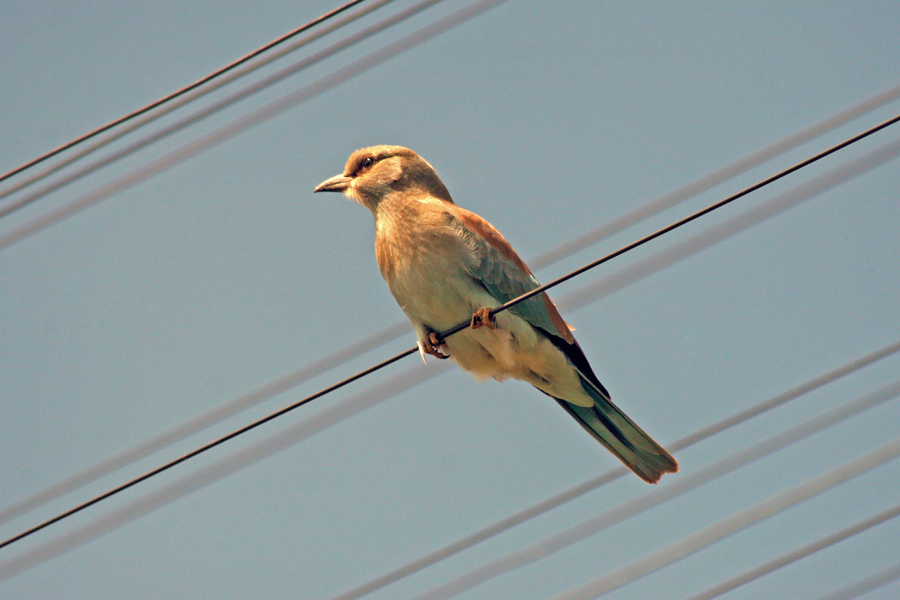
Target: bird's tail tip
[{"x": 652, "y": 467}]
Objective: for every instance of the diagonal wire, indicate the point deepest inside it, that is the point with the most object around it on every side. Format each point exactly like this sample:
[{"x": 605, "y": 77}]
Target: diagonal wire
[
  {"x": 596, "y": 482},
  {"x": 422, "y": 35},
  {"x": 205, "y": 447},
  {"x": 198, "y": 423},
  {"x": 351, "y": 3},
  {"x": 731, "y": 525},
  {"x": 225, "y": 438},
  {"x": 217, "y": 106},
  {"x": 617, "y": 281},
  {"x": 286, "y": 381},
  {"x": 179, "y": 93},
  {"x": 729, "y": 227},
  {"x": 716, "y": 177},
  {"x": 798, "y": 554},
  {"x": 249, "y": 120},
  {"x": 586, "y": 294},
  {"x": 681, "y": 222},
  {"x": 679, "y": 487},
  {"x": 873, "y": 582},
  {"x": 281, "y": 441},
  {"x": 242, "y": 459}
]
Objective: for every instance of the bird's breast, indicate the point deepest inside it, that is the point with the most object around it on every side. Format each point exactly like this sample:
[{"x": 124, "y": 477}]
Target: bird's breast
[{"x": 426, "y": 266}]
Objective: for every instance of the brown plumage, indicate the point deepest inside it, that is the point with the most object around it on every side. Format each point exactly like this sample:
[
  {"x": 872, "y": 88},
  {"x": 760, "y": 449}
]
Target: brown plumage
[{"x": 444, "y": 263}]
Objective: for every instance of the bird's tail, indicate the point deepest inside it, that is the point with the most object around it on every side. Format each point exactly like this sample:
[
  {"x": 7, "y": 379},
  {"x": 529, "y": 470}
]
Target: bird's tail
[{"x": 612, "y": 428}]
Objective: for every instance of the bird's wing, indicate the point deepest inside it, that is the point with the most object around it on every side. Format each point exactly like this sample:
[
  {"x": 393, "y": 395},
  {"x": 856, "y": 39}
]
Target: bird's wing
[{"x": 505, "y": 276}]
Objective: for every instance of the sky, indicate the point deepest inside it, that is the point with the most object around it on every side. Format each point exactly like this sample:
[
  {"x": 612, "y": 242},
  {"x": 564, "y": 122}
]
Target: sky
[{"x": 182, "y": 290}]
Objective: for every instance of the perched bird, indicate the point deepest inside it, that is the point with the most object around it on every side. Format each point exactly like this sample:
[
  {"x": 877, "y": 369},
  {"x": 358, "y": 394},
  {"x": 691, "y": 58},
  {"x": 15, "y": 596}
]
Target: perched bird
[{"x": 446, "y": 265}]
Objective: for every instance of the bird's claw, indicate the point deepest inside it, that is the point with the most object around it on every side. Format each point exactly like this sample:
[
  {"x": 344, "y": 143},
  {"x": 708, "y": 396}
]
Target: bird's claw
[
  {"x": 483, "y": 317},
  {"x": 430, "y": 346}
]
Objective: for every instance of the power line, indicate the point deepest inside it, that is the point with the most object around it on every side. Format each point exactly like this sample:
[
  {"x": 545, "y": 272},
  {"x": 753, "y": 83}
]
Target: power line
[
  {"x": 412, "y": 350},
  {"x": 731, "y": 525},
  {"x": 180, "y": 92},
  {"x": 351, "y": 407},
  {"x": 729, "y": 227},
  {"x": 617, "y": 281},
  {"x": 716, "y": 177},
  {"x": 579, "y": 298},
  {"x": 248, "y": 121},
  {"x": 199, "y": 423},
  {"x": 798, "y": 554},
  {"x": 348, "y": 408},
  {"x": 206, "y": 447},
  {"x": 291, "y": 379},
  {"x": 244, "y": 458},
  {"x": 596, "y": 482},
  {"x": 683, "y": 221},
  {"x": 217, "y": 106},
  {"x": 866, "y": 585},
  {"x": 677, "y": 488}
]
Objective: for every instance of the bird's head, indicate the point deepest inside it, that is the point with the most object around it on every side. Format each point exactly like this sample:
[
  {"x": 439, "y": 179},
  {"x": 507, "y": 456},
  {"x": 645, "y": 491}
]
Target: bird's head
[{"x": 374, "y": 174}]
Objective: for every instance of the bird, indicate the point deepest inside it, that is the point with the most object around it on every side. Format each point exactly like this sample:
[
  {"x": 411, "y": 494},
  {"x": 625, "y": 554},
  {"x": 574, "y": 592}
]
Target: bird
[{"x": 446, "y": 265}]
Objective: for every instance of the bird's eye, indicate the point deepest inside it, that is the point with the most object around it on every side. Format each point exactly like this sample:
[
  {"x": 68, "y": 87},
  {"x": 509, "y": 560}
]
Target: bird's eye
[{"x": 368, "y": 162}]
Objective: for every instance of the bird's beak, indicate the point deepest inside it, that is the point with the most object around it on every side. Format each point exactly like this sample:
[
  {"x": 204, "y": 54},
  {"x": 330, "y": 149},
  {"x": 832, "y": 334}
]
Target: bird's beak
[{"x": 338, "y": 183}]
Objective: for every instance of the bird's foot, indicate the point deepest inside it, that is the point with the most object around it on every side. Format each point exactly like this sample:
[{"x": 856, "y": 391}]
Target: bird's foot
[
  {"x": 483, "y": 317},
  {"x": 431, "y": 344}
]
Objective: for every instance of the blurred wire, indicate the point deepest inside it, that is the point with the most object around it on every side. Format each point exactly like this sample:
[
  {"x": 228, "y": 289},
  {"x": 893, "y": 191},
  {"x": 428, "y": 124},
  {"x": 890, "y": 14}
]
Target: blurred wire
[
  {"x": 608, "y": 477},
  {"x": 289, "y": 101},
  {"x": 178, "y": 93},
  {"x": 199, "y": 423},
  {"x": 205, "y": 448},
  {"x": 678, "y": 487},
  {"x": 291, "y": 379},
  {"x": 248, "y": 121},
  {"x": 681, "y": 222},
  {"x": 215, "y": 107},
  {"x": 571, "y": 302},
  {"x": 212, "y": 473},
  {"x": 716, "y": 177},
  {"x": 731, "y": 525},
  {"x": 866, "y": 585},
  {"x": 627, "y": 276},
  {"x": 805, "y": 191},
  {"x": 798, "y": 554},
  {"x": 729, "y": 227},
  {"x": 336, "y": 414}
]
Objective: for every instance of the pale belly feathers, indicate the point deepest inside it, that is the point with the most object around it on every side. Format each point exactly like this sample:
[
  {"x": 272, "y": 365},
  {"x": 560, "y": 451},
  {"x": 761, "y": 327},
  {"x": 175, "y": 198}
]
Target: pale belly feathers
[{"x": 436, "y": 294}]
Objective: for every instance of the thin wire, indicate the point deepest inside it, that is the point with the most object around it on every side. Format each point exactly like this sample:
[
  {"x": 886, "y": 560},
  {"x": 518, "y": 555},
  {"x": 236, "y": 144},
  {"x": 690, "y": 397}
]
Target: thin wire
[
  {"x": 731, "y": 525},
  {"x": 608, "y": 477},
  {"x": 360, "y": 0},
  {"x": 681, "y": 222},
  {"x": 206, "y": 447},
  {"x": 716, "y": 177},
  {"x": 573, "y": 301},
  {"x": 866, "y": 585},
  {"x": 242, "y": 459},
  {"x": 219, "y": 105},
  {"x": 171, "y": 106},
  {"x": 199, "y": 423},
  {"x": 181, "y": 92},
  {"x": 677, "y": 488},
  {"x": 248, "y": 121},
  {"x": 730, "y": 227},
  {"x": 627, "y": 276},
  {"x": 798, "y": 554},
  {"x": 423, "y": 34},
  {"x": 253, "y": 425},
  {"x": 347, "y": 408}
]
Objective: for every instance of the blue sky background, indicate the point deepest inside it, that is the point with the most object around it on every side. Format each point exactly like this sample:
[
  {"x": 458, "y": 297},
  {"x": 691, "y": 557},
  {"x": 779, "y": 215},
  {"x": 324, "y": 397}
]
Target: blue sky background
[{"x": 224, "y": 273}]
